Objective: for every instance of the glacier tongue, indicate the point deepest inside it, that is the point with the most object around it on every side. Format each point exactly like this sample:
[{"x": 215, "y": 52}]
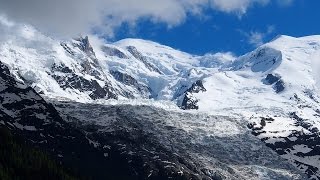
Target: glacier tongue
[{"x": 212, "y": 147}]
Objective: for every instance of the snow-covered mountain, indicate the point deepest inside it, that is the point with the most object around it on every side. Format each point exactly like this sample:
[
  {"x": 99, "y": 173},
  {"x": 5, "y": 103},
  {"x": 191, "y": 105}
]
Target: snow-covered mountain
[
  {"x": 276, "y": 88},
  {"x": 82, "y": 70},
  {"x": 272, "y": 92},
  {"x": 134, "y": 68},
  {"x": 136, "y": 142}
]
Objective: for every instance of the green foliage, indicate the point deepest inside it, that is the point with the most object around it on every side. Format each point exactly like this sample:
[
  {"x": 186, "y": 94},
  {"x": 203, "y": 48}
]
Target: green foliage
[{"x": 20, "y": 161}]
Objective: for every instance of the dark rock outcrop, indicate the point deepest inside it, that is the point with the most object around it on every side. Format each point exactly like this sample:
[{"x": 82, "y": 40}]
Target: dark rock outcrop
[
  {"x": 275, "y": 80},
  {"x": 85, "y": 45},
  {"x": 271, "y": 79},
  {"x": 68, "y": 79},
  {"x": 190, "y": 102},
  {"x": 279, "y": 86}
]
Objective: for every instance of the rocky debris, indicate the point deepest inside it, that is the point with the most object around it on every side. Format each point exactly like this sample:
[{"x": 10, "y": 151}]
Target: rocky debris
[
  {"x": 189, "y": 101},
  {"x": 145, "y": 157},
  {"x": 178, "y": 145},
  {"x": 133, "y": 50}
]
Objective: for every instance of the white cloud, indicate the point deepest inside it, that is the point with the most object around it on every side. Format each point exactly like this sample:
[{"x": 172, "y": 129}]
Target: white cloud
[
  {"x": 217, "y": 59},
  {"x": 69, "y": 17},
  {"x": 257, "y": 38},
  {"x": 238, "y": 6}
]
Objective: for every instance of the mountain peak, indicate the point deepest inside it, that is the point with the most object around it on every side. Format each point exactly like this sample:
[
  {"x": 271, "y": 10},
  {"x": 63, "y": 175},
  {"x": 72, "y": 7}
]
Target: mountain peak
[{"x": 84, "y": 44}]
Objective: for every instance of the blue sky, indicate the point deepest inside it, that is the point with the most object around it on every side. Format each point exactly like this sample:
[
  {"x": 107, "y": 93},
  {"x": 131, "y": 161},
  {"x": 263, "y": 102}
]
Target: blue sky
[
  {"x": 196, "y": 26},
  {"x": 218, "y": 31}
]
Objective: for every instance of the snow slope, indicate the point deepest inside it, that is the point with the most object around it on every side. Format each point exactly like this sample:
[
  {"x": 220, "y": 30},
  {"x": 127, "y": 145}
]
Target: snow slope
[{"x": 243, "y": 83}]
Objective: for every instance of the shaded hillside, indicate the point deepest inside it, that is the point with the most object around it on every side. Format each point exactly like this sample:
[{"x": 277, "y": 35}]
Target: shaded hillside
[{"x": 21, "y": 161}]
